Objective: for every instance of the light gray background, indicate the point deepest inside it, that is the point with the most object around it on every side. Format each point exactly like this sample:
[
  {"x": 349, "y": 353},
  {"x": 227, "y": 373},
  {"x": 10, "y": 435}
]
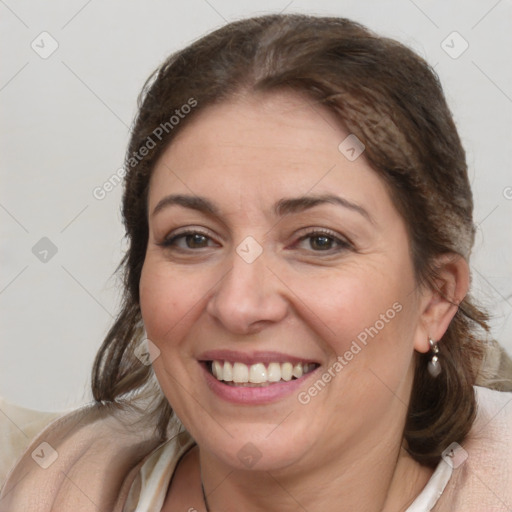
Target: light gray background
[{"x": 64, "y": 128}]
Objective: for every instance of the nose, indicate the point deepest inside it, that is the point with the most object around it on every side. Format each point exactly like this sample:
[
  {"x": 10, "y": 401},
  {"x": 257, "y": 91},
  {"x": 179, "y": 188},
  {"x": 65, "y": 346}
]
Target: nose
[{"x": 248, "y": 298}]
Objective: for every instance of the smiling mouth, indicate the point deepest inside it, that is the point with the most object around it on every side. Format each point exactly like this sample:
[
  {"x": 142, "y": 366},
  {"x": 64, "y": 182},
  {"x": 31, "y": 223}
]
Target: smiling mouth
[{"x": 259, "y": 374}]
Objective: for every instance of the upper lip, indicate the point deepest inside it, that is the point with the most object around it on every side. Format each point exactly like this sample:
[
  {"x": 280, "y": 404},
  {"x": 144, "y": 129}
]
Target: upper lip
[{"x": 249, "y": 358}]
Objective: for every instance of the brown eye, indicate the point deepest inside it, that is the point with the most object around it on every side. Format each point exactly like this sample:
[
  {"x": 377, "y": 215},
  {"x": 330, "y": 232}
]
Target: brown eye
[
  {"x": 189, "y": 240},
  {"x": 196, "y": 241},
  {"x": 321, "y": 242}
]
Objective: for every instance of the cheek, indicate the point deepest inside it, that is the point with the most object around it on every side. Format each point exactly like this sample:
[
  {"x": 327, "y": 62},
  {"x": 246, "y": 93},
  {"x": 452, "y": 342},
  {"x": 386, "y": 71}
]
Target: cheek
[
  {"x": 168, "y": 300},
  {"x": 343, "y": 304},
  {"x": 366, "y": 317}
]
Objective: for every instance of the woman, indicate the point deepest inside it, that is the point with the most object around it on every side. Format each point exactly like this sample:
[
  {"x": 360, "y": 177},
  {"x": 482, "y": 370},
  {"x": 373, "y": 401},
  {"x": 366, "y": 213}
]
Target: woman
[{"x": 296, "y": 293}]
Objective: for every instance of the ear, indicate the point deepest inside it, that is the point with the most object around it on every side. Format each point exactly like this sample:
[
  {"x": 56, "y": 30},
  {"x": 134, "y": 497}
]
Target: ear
[{"x": 438, "y": 305}]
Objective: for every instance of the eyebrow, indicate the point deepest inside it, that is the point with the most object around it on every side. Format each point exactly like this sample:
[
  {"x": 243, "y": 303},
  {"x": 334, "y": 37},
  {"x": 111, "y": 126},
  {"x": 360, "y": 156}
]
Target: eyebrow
[
  {"x": 193, "y": 202},
  {"x": 299, "y": 204},
  {"x": 283, "y": 207}
]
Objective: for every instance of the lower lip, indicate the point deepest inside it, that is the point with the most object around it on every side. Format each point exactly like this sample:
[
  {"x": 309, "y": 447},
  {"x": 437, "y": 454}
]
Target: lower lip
[{"x": 256, "y": 395}]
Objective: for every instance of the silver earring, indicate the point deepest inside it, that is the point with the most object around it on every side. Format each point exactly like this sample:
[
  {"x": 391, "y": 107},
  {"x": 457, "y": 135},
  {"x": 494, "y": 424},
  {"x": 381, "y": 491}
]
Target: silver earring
[{"x": 434, "y": 366}]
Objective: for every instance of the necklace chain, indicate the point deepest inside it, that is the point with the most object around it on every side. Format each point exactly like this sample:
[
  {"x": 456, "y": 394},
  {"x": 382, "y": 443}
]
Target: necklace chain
[{"x": 202, "y": 488}]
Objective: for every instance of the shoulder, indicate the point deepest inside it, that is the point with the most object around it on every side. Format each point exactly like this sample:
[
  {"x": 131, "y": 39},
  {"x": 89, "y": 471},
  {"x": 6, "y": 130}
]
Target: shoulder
[
  {"x": 18, "y": 426},
  {"x": 493, "y": 405},
  {"x": 88, "y": 456},
  {"x": 491, "y": 434},
  {"x": 482, "y": 474}
]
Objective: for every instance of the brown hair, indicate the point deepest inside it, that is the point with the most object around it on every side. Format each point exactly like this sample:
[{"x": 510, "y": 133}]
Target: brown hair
[{"x": 392, "y": 101}]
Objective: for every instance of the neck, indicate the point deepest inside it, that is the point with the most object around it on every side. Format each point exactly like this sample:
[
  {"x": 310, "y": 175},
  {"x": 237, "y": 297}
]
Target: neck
[{"x": 382, "y": 479}]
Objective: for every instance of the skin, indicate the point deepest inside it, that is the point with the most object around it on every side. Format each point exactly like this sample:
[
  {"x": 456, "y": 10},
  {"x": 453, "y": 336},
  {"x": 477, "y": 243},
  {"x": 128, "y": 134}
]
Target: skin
[{"x": 343, "y": 451}]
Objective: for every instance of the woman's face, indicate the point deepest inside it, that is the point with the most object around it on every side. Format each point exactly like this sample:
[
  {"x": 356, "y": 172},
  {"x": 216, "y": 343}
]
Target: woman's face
[{"x": 273, "y": 252}]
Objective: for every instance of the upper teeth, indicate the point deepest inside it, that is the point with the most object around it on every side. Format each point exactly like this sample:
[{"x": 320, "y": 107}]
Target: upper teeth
[{"x": 259, "y": 373}]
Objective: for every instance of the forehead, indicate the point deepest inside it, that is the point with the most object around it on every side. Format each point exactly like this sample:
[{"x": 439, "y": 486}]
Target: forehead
[{"x": 264, "y": 147}]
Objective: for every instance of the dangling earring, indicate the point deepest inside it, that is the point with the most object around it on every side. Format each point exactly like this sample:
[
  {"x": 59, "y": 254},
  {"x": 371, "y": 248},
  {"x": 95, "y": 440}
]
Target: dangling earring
[{"x": 434, "y": 366}]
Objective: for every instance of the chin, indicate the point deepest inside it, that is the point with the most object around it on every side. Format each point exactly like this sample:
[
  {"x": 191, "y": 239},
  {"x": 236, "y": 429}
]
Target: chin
[{"x": 260, "y": 447}]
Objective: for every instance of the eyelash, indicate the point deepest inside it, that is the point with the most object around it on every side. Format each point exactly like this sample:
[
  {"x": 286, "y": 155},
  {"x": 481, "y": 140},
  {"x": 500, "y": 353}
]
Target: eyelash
[
  {"x": 169, "y": 242},
  {"x": 313, "y": 233}
]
